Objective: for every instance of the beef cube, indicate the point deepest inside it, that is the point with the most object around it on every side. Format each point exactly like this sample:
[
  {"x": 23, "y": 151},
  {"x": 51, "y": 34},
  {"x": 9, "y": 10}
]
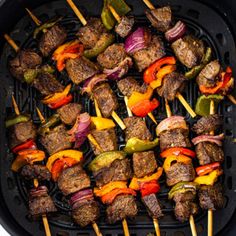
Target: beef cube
[
  {"x": 106, "y": 139},
  {"x": 69, "y": 112},
  {"x": 124, "y": 27},
  {"x": 136, "y": 127},
  {"x": 73, "y": 179},
  {"x": 144, "y": 163},
  {"x": 123, "y": 207},
  {"x": 80, "y": 69},
  {"x": 106, "y": 99}
]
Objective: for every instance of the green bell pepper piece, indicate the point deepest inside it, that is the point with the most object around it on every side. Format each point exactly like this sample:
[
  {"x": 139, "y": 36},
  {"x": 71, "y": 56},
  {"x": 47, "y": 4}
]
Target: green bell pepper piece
[
  {"x": 45, "y": 127},
  {"x": 16, "y": 120}
]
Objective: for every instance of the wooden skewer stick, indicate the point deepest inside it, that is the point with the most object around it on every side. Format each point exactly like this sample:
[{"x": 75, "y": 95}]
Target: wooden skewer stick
[
  {"x": 168, "y": 110},
  {"x": 33, "y": 17},
  {"x": 16, "y": 108},
  {"x": 156, "y": 226},
  {"x": 128, "y": 110},
  {"x": 115, "y": 14},
  {"x": 98, "y": 112},
  {"x": 118, "y": 120},
  {"x": 232, "y": 99},
  {"x": 11, "y": 42},
  {"x": 149, "y": 4},
  {"x": 77, "y": 12},
  {"x": 125, "y": 227},
  {"x": 96, "y": 229},
  {"x": 40, "y": 115}
]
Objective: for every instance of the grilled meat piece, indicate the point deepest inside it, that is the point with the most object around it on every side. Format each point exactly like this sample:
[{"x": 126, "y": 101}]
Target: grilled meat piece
[
  {"x": 106, "y": 139},
  {"x": 24, "y": 60},
  {"x": 125, "y": 26},
  {"x": 80, "y": 69},
  {"x": 172, "y": 83},
  {"x": 69, "y": 112},
  {"x": 86, "y": 214},
  {"x": 21, "y": 132},
  {"x": 189, "y": 50},
  {"x": 52, "y": 39},
  {"x": 91, "y": 32},
  {"x": 154, "y": 51},
  {"x": 106, "y": 99},
  {"x": 124, "y": 206},
  {"x": 180, "y": 172},
  {"x": 153, "y": 206},
  {"x": 207, "y": 124},
  {"x": 160, "y": 18},
  {"x": 207, "y": 76},
  {"x": 112, "y": 56},
  {"x": 39, "y": 172},
  {"x": 119, "y": 170},
  {"x": 174, "y": 138},
  {"x": 73, "y": 179},
  {"x": 211, "y": 197},
  {"x": 209, "y": 152},
  {"x": 46, "y": 84},
  {"x": 56, "y": 140},
  {"x": 144, "y": 163},
  {"x": 136, "y": 127}
]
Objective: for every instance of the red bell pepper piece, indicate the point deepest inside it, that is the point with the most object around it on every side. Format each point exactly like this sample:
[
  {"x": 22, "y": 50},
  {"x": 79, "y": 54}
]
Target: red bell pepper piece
[
  {"x": 206, "y": 169},
  {"x": 178, "y": 151},
  {"x": 148, "y": 188},
  {"x": 30, "y": 144},
  {"x": 61, "y": 102}
]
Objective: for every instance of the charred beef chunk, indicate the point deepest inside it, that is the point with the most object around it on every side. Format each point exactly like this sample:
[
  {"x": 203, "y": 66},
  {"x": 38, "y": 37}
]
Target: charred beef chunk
[
  {"x": 39, "y": 172},
  {"x": 86, "y": 214},
  {"x": 56, "y": 140},
  {"x": 144, "y": 163},
  {"x": 21, "y": 132},
  {"x": 80, "y": 69},
  {"x": 136, "y": 128},
  {"x": 106, "y": 99},
  {"x": 106, "y": 139},
  {"x": 119, "y": 170},
  {"x": 211, "y": 197},
  {"x": 69, "y": 112},
  {"x": 160, "y": 18},
  {"x": 172, "y": 83},
  {"x": 125, "y": 26},
  {"x": 207, "y": 124},
  {"x": 185, "y": 205},
  {"x": 209, "y": 152},
  {"x": 154, "y": 51},
  {"x": 91, "y": 32},
  {"x": 112, "y": 56},
  {"x": 207, "y": 76},
  {"x": 46, "y": 84},
  {"x": 180, "y": 172},
  {"x": 124, "y": 206},
  {"x": 73, "y": 179},
  {"x": 153, "y": 206},
  {"x": 189, "y": 50},
  {"x": 25, "y": 59},
  {"x": 52, "y": 39},
  {"x": 174, "y": 138}
]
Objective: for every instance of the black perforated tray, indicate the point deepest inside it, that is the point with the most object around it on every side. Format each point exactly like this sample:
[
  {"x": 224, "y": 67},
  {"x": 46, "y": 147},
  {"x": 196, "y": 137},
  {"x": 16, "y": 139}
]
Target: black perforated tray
[{"x": 205, "y": 23}]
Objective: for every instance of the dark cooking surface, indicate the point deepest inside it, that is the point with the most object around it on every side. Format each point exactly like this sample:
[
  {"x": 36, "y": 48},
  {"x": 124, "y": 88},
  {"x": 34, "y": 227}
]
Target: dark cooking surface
[{"x": 204, "y": 23}]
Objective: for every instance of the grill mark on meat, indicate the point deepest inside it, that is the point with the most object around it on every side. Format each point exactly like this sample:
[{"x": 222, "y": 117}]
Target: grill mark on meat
[{"x": 125, "y": 26}]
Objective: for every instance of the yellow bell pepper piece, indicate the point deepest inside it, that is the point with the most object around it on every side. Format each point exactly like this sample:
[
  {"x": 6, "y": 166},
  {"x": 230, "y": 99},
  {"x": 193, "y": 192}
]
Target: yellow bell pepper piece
[
  {"x": 102, "y": 123},
  {"x": 181, "y": 158},
  {"x": 209, "y": 179}
]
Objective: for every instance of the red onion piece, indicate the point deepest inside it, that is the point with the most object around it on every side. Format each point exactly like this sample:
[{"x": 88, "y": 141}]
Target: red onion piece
[
  {"x": 86, "y": 194},
  {"x": 37, "y": 192},
  {"x": 217, "y": 139},
  {"x": 176, "y": 32}
]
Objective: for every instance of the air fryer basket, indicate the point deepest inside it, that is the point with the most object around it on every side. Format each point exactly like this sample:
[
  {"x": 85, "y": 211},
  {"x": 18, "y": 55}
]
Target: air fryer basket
[{"x": 204, "y": 22}]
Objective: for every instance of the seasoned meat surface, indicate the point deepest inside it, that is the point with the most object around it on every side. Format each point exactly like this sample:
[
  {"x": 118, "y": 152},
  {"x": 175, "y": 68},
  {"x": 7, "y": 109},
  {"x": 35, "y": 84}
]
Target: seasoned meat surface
[
  {"x": 154, "y": 51},
  {"x": 25, "y": 59},
  {"x": 172, "y": 83},
  {"x": 106, "y": 99},
  {"x": 189, "y": 50},
  {"x": 21, "y": 132},
  {"x": 86, "y": 214},
  {"x": 106, "y": 139},
  {"x": 124, "y": 206},
  {"x": 73, "y": 179},
  {"x": 136, "y": 127},
  {"x": 120, "y": 170},
  {"x": 47, "y": 84},
  {"x": 144, "y": 163},
  {"x": 69, "y": 112},
  {"x": 36, "y": 171},
  {"x": 160, "y": 18},
  {"x": 52, "y": 39},
  {"x": 207, "y": 124},
  {"x": 125, "y": 26},
  {"x": 209, "y": 152},
  {"x": 207, "y": 76},
  {"x": 112, "y": 56},
  {"x": 80, "y": 69},
  {"x": 153, "y": 206},
  {"x": 56, "y": 140}
]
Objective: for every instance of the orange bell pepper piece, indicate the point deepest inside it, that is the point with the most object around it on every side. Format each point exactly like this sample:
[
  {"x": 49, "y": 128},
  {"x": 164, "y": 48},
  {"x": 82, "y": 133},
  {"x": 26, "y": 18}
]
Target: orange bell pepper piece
[
  {"x": 173, "y": 158},
  {"x": 177, "y": 151}
]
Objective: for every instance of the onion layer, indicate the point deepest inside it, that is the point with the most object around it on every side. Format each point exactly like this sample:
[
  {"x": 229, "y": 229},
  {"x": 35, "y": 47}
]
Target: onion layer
[
  {"x": 81, "y": 196},
  {"x": 91, "y": 82},
  {"x": 39, "y": 191},
  {"x": 176, "y": 32},
  {"x": 217, "y": 139}
]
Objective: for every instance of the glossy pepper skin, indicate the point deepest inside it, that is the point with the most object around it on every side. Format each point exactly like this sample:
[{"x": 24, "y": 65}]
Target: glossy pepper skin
[
  {"x": 173, "y": 158},
  {"x": 178, "y": 151},
  {"x": 206, "y": 169},
  {"x": 101, "y": 123},
  {"x": 61, "y": 102},
  {"x": 30, "y": 144},
  {"x": 150, "y": 187},
  {"x": 209, "y": 179},
  {"x": 16, "y": 120}
]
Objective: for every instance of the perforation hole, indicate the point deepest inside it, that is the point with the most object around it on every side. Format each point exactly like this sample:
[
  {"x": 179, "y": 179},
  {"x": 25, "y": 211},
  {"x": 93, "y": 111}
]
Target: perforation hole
[
  {"x": 10, "y": 183},
  {"x": 226, "y": 58},
  {"x": 193, "y": 13},
  {"x": 221, "y": 39},
  {"x": 226, "y": 200},
  {"x": 229, "y": 182},
  {"x": 228, "y": 162}
]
